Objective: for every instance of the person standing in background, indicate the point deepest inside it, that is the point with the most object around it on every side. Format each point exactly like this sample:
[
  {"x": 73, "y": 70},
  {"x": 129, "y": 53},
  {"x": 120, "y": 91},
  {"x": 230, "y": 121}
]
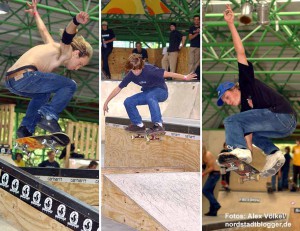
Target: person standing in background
[
  {"x": 296, "y": 163},
  {"x": 107, "y": 39},
  {"x": 170, "y": 58},
  {"x": 194, "y": 52},
  {"x": 286, "y": 168},
  {"x": 141, "y": 51}
]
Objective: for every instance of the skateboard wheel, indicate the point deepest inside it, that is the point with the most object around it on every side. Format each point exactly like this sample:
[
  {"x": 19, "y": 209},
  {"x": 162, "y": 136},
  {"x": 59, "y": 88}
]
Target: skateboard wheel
[
  {"x": 241, "y": 167},
  {"x": 132, "y": 137},
  {"x": 256, "y": 177},
  {"x": 44, "y": 142},
  {"x": 56, "y": 151}
]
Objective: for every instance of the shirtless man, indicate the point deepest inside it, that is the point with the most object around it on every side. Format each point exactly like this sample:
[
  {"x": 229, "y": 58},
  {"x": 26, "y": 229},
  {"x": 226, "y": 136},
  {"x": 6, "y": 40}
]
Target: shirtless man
[
  {"x": 30, "y": 76},
  {"x": 213, "y": 172}
]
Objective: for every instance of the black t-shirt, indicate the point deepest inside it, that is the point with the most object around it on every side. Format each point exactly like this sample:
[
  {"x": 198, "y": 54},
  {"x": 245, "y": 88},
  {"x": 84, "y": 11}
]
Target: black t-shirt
[
  {"x": 174, "y": 40},
  {"x": 150, "y": 77},
  {"x": 262, "y": 96},
  {"x": 195, "y": 42},
  {"x": 143, "y": 53},
  {"x": 107, "y": 35},
  {"x": 47, "y": 164}
]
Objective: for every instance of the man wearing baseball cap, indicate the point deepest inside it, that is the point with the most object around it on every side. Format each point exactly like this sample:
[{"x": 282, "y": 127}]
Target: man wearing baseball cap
[
  {"x": 108, "y": 37},
  {"x": 264, "y": 113}
]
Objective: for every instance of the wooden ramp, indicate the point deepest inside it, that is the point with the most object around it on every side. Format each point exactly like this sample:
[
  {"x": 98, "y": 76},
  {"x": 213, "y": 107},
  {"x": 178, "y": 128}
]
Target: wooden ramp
[
  {"x": 180, "y": 147},
  {"x": 153, "y": 201}
]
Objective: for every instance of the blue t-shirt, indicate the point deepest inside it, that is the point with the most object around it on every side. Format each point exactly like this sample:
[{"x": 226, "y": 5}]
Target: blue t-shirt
[{"x": 149, "y": 78}]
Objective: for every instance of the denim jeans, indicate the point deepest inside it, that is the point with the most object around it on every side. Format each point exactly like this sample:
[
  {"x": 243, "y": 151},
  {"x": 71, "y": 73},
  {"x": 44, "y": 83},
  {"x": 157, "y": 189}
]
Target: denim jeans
[
  {"x": 263, "y": 124},
  {"x": 279, "y": 182},
  {"x": 39, "y": 86},
  {"x": 285, "y": 176},
  {"x": 105, "y": 54},
  {"x": 209, "y": 187},
  {"x": 149, "y": 97}
]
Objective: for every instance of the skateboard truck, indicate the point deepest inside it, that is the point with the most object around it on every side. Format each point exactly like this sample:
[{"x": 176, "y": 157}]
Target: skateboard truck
[{"x": 50, "y": 145}]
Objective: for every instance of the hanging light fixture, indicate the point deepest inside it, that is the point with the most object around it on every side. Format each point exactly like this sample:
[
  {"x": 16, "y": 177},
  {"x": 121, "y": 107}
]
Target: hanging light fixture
[
  {"x": 4, "y": 7},
  {"x": 246, "y": 12},
  {"x": 263, "y": 11}
]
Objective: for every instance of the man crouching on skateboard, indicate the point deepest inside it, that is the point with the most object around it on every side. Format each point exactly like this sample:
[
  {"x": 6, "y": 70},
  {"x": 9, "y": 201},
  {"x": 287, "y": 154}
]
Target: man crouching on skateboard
[
  {"x": 30, "y": 76},
  {"x": 154, "y": 90},
  {"x": 264, "y": 113}
]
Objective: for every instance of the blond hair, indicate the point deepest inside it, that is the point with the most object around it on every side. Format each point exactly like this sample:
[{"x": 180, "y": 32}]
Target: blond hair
[
  {"x": 80, "y": 44},
  {"x": 134, "y": 62}
]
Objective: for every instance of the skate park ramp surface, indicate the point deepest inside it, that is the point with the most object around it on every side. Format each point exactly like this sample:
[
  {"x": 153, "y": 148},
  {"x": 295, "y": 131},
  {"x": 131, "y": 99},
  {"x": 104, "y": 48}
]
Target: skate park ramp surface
[
  {"x": 153, "y": 201},
  {"x": 275, "y": 209},
  {"x": 183, "y": 101},
  {"x": 80, "y": 183},
  {"x": 179, "y": 147},
  {"x": 28, "y": 203}
]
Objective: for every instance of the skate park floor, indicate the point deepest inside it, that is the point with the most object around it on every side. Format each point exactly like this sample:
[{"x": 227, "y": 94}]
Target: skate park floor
[{"x": 4, "y": 225}]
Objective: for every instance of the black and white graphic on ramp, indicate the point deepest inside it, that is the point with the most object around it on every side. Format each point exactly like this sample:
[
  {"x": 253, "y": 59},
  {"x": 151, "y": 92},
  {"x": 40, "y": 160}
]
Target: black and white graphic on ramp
[
  {"x": 73, "y": 220},
  {"x": 36, "y": 198},
  {"x": 87, "y": 225},
  {"x": 25, "y": 192},
  {"x": 61, "y": 212},
  {"x": 4, "y": 180},
  {"x": 15, "y": 186},
  {"x": 48, "y": 205}
]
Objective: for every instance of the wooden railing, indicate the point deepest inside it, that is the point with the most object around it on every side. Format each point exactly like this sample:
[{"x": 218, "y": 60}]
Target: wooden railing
[{"x": 6, "y": 123}]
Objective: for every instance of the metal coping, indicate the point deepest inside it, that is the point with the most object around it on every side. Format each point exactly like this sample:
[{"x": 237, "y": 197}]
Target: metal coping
[
  {"x": 63, "y": 172},
  {"x": 168, "y": 126},
  {"x": 66, "y": 204}
]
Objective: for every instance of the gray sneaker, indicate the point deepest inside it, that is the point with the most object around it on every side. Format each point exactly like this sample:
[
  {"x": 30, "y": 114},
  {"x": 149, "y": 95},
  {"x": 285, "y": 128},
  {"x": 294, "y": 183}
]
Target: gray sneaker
[
  {"x": 273, "y": 164},
  {"x": 157, "y": 128}
]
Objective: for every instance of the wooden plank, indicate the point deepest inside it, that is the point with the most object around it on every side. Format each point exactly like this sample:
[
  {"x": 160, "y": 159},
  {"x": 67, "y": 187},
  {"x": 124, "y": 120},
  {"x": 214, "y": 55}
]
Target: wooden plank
[
  {"x": 94, "y": 144},
  {"x": 294, "y": 219},
  {"x": 24, "y": 217},
  {"x": 122, "y": 151},
  {"x": 81, "y": 138},
  {"x": 88, "y": 193},
  {"x": 170, "y": 199},
  {"x": 11, "y": 124},
  {"x": 117, "y": 206},
  {"x": 88, "y": 138}
]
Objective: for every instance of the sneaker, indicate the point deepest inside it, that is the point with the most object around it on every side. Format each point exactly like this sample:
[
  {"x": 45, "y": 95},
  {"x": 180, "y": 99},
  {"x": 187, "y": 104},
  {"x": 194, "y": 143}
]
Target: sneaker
[
  {"x": 135, "y": 128},
  {"x": 49, "y": 125},
  {"x": 243, "y": 154},
  {"x": 23, "y": 132},
  {"x": 273, "y": 164},
  {"x": 157, "y": 128}
]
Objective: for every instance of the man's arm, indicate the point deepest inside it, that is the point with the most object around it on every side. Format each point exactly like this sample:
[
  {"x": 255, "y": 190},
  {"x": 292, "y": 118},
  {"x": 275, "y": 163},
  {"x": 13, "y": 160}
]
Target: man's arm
[
  {"x": 237, "y": 42},
  {"x": 180, "y": 76},
  {"x": 47, "y": 38}
]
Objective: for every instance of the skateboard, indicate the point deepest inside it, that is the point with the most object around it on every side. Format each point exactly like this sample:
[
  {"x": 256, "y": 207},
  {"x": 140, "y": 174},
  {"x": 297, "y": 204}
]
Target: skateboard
[
  {"x": 148, "y": 134},
  {"x": 232, "y": 163},
  {"x": 52, "y": 141}
]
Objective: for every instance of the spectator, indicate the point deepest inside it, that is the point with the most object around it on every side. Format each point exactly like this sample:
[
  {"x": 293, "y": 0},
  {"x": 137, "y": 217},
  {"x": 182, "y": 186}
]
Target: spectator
[
  {"x": 194, "y": 52},
  {"x": 50, "y": 163},
  {"x": 170, "y": 58},
  {"x": 296, "y": 162},
  {"x": 19, "y": 160},
  {"x": 286, "y": 168},
  {"x": 226, "y": 177},
  {"x": 141, "y": 51},
  {"x": 93, "y": 165},
  {"x": 108, "y": 37},
  {"x": 213, "y": 172}
]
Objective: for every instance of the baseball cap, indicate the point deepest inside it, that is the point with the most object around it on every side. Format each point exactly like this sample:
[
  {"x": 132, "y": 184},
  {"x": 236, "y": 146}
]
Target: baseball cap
[
  {"x": 104, "y": 23},
  {"x": 222, "y": 88}
]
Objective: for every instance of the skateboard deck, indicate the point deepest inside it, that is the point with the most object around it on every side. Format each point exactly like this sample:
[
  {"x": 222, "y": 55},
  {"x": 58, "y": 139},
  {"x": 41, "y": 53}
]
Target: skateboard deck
[
  {"x": 52, "y": 141},
  {"x": 232, "y": 163},
  {"x": 148, "y": 134}
]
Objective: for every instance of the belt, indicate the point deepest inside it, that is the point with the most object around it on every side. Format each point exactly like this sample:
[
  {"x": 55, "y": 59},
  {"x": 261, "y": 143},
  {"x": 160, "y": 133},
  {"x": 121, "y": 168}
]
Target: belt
[{"x": 19, "y": 73}]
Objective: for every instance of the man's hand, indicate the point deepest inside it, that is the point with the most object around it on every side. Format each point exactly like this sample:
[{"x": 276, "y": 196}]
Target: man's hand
[
  {"x": 191, "y": 76},
  {"x": 228, "y": 14},
  {"x": 105, "y": 108},
  {"x": 32, "y": 7},
  {"x": 83, "y": 17}
]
